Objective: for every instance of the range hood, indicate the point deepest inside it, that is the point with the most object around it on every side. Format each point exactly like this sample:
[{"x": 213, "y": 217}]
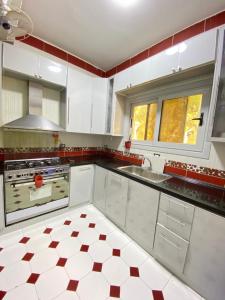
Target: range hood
[{"x": 34, "y": 120}]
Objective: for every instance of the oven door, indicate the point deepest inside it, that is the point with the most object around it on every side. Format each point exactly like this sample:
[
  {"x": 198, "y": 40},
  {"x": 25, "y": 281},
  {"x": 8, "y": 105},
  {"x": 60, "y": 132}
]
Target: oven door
[{"x": 23, "y": 200}]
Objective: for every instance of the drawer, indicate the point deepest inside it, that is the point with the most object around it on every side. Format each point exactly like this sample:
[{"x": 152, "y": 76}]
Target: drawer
[
  {"x": 170, "y": 249},
  {"x": 175, "y": 225},
  {"x": 182, "y": 211}
]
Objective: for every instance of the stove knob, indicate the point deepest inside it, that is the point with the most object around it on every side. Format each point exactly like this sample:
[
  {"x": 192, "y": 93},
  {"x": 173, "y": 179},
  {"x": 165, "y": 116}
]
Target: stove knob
[
  {"x": 9, "y": 176},
  {"x": 18, "y": 175},
  {"x": 31, "y": 174},
  {"x": 41, "y": 172},
  {"x": 46, "y": 172}
]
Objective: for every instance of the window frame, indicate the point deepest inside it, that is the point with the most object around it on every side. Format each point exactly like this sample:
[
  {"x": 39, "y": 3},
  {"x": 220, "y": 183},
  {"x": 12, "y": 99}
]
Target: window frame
[{"x": 203, "y": 86}]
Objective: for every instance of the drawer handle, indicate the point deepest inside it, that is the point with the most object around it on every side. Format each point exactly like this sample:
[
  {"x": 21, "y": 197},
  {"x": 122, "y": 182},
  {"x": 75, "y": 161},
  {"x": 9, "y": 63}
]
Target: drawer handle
[
  {"x": 179, "y": 204},
  {"x": 176, "y": 221},
  {"x": 169, "y": 242},
  {"x": 84, "y": 169}
]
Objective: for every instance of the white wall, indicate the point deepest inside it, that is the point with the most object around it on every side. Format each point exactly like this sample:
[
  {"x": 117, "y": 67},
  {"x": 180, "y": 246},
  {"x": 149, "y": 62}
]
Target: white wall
[{"x": 216, "y": 158}]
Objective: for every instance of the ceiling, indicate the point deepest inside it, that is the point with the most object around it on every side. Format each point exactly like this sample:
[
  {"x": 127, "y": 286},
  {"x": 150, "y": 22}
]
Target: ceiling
[{"x": 105, "y": 33}]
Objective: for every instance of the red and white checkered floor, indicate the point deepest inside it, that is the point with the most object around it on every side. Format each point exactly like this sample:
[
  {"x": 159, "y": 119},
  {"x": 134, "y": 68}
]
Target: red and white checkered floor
[{"x": 82, "y": 255}]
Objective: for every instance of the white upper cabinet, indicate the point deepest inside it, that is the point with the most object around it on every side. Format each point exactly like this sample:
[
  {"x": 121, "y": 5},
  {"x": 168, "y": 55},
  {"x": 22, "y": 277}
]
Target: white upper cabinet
[
  {"x": 193, "y": 52},
  {"x": 32, "y": 63},
  {"x": 198, "y": 50},
  {"x": 52, "y": 71},
  {"x": 99, "y": 105},
  {"x": 79, "y": 101},
  {"x": 21, "y": 60}
]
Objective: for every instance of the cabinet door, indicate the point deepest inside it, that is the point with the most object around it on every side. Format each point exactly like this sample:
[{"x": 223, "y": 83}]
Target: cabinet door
[
  {"x": 199, "y": 50},
  {"x": 99, "y": 105},
  {"x": 139, "y": 73},
  {"x": 81, "y": 184},
  {"x": 205, "y": 268},
  {"x": 163, "y": 64},
  {"x": 170, "y": 249},
  {"x": 79, "y": 97},
  {"x": 99, "y": 188},
  {"x": 2, "y": 215},
  {"x": 19, "y": 59},
  {"x": 122, "y": 80},
  {"x": 116, "y": 198},
  {"x": 142, "y": 209},
  {"x": 52, "y": 71}
]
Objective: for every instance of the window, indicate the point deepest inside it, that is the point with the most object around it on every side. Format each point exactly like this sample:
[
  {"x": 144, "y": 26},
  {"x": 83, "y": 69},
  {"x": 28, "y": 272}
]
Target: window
[
  {"x": 143, "y": 120},
  {"x": 174, "y": 118}
]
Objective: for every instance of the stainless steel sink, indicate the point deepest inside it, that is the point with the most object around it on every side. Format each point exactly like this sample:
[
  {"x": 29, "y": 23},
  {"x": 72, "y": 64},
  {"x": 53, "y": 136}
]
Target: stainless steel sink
[{"x": 145, "y": 173}]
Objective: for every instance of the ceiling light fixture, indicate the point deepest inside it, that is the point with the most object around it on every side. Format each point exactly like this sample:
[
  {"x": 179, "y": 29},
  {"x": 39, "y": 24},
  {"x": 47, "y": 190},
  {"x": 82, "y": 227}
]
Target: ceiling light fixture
[{"x": 125, "y": 3}]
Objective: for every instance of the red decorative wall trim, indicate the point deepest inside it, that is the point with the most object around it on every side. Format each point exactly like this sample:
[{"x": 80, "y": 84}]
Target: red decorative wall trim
[
  {"x": 193, "y": 30},
  {"x": 207, "y": 24},
  {"x": 208, "y": 175}
]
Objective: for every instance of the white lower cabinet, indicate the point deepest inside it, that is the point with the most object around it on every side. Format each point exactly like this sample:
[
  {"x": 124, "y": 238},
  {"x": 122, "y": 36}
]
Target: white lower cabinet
[
  {"x": 205, "y": 267},
  {"x": 116, "y": 198},
  {"x": 142, "y": 210},
  {"x": 2, "y": 217},
  {"x": 81, "y": 184},
  {"x": 170, "y": 249},
  {"x": 99, "y": 188}
]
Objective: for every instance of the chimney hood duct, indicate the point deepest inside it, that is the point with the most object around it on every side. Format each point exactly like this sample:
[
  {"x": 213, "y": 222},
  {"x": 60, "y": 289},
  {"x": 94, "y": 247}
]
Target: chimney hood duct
[{"x": 34, "y": 119}]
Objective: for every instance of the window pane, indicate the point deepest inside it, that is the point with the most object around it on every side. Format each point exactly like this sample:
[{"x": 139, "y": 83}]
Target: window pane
[
  {"x": 152, "y": 113},
  {"x": 139, "y": 122},
  {"x": 177, "y": 125}
]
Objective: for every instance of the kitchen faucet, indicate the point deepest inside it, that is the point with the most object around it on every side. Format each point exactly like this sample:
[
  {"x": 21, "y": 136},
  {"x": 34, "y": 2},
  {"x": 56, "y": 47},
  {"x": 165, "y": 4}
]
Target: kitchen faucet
[{"x": 150, "y": 163}]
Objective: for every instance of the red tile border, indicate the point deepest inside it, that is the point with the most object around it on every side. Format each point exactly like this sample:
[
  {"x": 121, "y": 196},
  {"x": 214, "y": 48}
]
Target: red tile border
[
  {"x": 134, "y": 272},
  {"x": 72, "y": 285},
  {"x": 67, "y": 222},
  {"x": 114, "y": 291},
  {"x": 28, "y": 256},
  {"x": 75, "y": 234},
  {"x": 24, "y": 240},
  {"x": 33, "y": 278},
  {"x": 48, "y": 231},
  {"x": 161, "y": 46},
  {"x": 34, "y": 42},
  {"x": 116, "y": 252},
  {"x": 206, "y": 178},
  {"x": 53, "y": 244},
  {"x": 2, "y": 294},
  {"x": 102, "y": 237},
  {"x": 189, "y": 32},
  {"x": 174, "y": 170},
  {"x": 55, "y": 51},
  {"x": 157, "y": 295},
  {"x": 84, "y": 248},
  {"x": 61, "y": 262},
  {"x": 97, "y": 267},
  {"x": 110, "y": 72},
  {"x": 126, "y": 64},
  {"x": 139, "y": 57}
]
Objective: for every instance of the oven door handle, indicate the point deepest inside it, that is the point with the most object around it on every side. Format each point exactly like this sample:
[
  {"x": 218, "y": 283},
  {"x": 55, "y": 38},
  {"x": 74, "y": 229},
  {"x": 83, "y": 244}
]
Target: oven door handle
[{"x": 44, "y": 181}]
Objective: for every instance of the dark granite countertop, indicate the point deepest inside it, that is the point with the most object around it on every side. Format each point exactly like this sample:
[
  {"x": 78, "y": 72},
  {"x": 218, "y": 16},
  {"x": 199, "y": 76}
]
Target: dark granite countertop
[
  {"x": 191, "y": 191},
  {"x": 194, "y": 192}
]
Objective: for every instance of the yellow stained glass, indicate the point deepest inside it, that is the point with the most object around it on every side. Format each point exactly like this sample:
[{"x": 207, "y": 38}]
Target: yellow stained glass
[
  {"x": 152, "y": 113},
  {"x": 177, "y": 124},
  {"x": 139, "y": 122}
]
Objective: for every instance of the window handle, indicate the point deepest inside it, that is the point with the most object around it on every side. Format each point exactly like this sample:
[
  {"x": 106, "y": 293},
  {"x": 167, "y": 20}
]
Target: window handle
[{"x": 200, "y": 119}]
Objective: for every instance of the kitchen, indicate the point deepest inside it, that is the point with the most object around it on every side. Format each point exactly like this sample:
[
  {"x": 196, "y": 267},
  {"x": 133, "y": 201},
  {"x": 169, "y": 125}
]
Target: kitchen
[{"x": 112, "y": 150}]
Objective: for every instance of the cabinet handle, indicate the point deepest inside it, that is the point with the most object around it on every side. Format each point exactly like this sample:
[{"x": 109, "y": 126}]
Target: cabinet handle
[
  {"x": 105, "y": 182},
  {"x": 84, "y": 169},
  {"x": 179, "y": 69},
  {"x": 35, "y": 75},
  {"x": 169, "y": 242},
  {"x": 175, "y": 220},
  {"x": 179, "y": 204},
  {"x": 173, "y": 70},
  {"x": 40, "y": 76},
  {"x": 68, "y": 110}
]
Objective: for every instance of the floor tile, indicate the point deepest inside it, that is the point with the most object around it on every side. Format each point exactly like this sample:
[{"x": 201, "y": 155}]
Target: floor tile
[
  {"x": 88, "y": 236},
  {"x": 44, "y": 260},
  {"x": 98, "y": 288},
  {"x": 60, "y": 234},
  {"x": 68, "y": 247},
  {"x": 104, "y": 226},
  {"x": 117, "y": 239},
  {"x": 67, "y": 295},
  {"x": 134, "y": 289},
  {"x": 38, "y": 243},
  {"x": 154, "y": 275},
  {"x": 10, "y": 238},
  {"x": 79, "y": 265},
  {"x": 100, "y": 251},
  {"x": 22, "y": 292},
  {"x": 133, "y": 254},
  {"x": 12, "y": 254},
  {"x": 176, "y": 290},
  {"x": 52, "y": 283},
  {"x": 16, "y": 274},
  {"x": 115, "y": 270}
]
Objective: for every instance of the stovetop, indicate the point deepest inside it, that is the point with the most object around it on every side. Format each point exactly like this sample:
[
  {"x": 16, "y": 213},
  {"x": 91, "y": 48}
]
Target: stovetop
[{"x": 31, "y": 163}]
